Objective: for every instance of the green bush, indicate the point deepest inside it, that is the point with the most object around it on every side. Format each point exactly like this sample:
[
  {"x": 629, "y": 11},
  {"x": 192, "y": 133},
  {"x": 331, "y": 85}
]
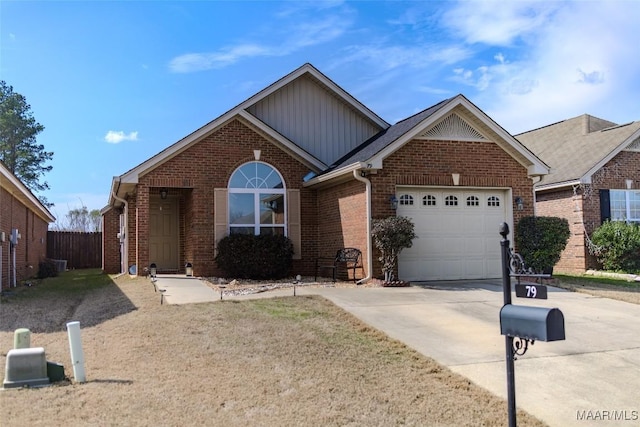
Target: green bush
[
  {"x": 47, "y": 268},
  {"x": 617, "y": 246},
  {"x": 541, "y": 240},
  {"x": 245, "y": 256}
]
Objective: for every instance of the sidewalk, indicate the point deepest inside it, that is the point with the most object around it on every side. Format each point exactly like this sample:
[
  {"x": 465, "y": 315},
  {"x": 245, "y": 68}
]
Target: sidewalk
[{"x": 590, "y": 379}]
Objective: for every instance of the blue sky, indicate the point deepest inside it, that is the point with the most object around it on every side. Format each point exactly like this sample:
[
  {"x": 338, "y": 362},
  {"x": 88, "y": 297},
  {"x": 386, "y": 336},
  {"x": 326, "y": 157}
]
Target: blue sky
[{"x": 115, "y": 82}]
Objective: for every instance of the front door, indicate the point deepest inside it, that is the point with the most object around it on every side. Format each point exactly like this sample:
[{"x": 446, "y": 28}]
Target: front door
[{"x": 163, "y": 233}]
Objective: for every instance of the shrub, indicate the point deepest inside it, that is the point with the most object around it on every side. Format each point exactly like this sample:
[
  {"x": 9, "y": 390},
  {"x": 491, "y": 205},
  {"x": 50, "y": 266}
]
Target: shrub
[
  {"x": 47, "y": 268},
  {"x": 391, "y": 235},
  {"x": 541, "y": 240},
  {"x": 617, "y": 246},
  {"x": 245, "y": 256}
]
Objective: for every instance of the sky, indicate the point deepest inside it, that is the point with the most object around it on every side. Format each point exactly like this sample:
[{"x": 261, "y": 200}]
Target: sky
[{"x": 116, "y": 82}]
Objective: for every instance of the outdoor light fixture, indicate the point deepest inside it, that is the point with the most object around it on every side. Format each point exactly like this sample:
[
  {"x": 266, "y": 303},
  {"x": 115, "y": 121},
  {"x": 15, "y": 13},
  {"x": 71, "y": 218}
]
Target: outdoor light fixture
[
  {"x": 153, "y": 270},
  {"x": 163, "y": 193},
  {"x": 629, "y": 183},
  {"x": 519, "y": 203},
  {"x": 393, "y": 201}
]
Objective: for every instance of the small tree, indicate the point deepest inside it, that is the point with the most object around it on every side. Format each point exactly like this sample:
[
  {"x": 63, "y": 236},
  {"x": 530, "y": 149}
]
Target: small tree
[{"x": 391, "y": 235}]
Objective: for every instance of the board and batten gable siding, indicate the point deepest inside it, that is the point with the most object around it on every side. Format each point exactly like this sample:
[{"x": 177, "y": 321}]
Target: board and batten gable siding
[{"x": 313, "y": 118}]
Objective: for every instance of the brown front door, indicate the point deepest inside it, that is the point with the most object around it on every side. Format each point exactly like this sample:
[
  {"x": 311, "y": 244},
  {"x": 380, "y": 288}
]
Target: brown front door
[{"x": 163, "y": 233}]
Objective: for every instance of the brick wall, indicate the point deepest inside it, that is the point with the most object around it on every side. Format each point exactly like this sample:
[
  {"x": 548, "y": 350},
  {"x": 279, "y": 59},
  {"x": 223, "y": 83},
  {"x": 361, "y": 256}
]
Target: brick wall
[
  {"x": 204, "y": 166},
  {"x": 584, "y": 207},
  {"x": 342, "y": 220},
  {"x": 566, "y": 204},
  {"x": 31, "y": 248},
  {"x": 431, "y": 163},
  {"x": 110, "y": 242}
]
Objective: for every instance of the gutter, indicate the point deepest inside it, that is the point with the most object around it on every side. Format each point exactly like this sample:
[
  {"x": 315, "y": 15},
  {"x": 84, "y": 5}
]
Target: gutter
[
  {"x": 123, "y": 239},
  {"x": 367, "y": 183},
  {"x": 354, "y": 167}
]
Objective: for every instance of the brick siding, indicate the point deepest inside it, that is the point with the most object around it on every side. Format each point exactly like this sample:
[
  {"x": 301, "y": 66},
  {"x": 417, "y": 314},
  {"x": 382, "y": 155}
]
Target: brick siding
[
  {"x": 31, "y": 248},
  {"x": 584, "y": 207},
  {"x": 196, "y": 172}
]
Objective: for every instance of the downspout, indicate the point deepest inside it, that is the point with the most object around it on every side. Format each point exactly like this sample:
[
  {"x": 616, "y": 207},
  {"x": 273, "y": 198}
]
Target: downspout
[
  {"x": 535, "y": 179},
  {"x": 125, "y": 256},
  {"x": 367, "y": 183}
]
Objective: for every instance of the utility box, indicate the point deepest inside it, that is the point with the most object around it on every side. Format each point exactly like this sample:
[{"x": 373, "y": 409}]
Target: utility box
[
  {"x": 22, "y": 338},
  {"x": 533, "y": 323},
  {"x": 26, "y": 367}
]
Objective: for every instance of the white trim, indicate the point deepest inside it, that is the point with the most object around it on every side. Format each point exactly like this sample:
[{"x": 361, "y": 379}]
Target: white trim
[
  {"x": 335, "y": 174},
  {"x": 287, "y": 143},
  {"x": 19, "y": 191},
  {"x": 560, "y": 185},
  {"x": 586, "y": 178},
  {"x": 337, "y": 90},
  {"x": 534, "y": 168}
]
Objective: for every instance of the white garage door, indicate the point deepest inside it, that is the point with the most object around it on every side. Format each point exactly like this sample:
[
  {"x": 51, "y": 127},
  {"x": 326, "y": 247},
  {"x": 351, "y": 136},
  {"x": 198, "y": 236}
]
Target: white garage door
[{"x": 457, "y": 233}]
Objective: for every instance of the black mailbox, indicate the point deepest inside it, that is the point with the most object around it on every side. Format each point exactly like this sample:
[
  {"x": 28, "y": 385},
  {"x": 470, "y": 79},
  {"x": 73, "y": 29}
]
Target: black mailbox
[{"x": 533, "y": 323}]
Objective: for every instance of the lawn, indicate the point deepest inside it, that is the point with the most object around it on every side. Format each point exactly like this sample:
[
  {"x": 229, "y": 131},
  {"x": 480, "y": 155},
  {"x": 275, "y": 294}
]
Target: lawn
[{"x": 281, "y": 361}]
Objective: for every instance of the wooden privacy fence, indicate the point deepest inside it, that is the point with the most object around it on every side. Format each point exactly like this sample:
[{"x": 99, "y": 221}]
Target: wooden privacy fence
[{"x": 80, "y": 250}]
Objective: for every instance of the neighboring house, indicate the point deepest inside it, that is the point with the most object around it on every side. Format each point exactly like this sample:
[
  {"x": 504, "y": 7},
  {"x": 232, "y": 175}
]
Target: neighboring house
[
  {"x": 595, "y": 176},
  {"x": 305, "y": 159},
  {"x": 22, "y": 216}
]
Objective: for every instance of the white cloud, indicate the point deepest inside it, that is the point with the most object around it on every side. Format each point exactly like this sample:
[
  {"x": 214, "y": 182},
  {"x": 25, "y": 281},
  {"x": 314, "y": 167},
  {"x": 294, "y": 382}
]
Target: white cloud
[
  {"x": 192, "y": 62},
  {"x": 497, "y": 22},
  {"x": 580, "y": 61},
  {"x": 293, "y": 38},
  {"x": 116, "y": 137}
]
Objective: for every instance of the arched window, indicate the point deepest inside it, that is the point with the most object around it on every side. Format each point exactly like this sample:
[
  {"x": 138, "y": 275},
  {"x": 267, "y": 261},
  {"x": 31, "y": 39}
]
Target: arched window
[
  {"x": 406, "y": 200},
  {"x": 256, "y": 200},
  {"x": 473, "y": 201},
  {"x": 493, "y": 201},
  {"x": 451, "y": 201},
  {"x": 429, "y": 200}
]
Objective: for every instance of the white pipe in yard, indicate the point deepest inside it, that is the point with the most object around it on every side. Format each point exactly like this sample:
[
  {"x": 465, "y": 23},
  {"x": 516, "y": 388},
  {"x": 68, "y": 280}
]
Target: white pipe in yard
[{"x": 77, "y": 356}]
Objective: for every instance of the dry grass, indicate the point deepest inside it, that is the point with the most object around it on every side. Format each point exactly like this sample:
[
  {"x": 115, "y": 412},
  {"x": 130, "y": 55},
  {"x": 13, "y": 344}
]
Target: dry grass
[
  {"x": 282, "y": 361},
  {"x": 601, "y": 287}
]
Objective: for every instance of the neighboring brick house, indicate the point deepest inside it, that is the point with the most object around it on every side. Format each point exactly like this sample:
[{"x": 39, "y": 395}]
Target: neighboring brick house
[
  {"x": 21, "y": 211},
  {"x": 595, "y": 176},
  {"x": 304, "y": 158}
]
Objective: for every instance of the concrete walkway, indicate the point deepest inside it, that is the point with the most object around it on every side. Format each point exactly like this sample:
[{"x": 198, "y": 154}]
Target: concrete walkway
[{"x": 590, "y": 379}]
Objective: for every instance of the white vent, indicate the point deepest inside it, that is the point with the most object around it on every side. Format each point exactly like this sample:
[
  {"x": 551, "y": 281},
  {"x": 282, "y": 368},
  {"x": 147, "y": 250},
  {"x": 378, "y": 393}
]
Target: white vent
[
  {"x": 455, "y": 129},
  {"x": 634, "y": 146}
]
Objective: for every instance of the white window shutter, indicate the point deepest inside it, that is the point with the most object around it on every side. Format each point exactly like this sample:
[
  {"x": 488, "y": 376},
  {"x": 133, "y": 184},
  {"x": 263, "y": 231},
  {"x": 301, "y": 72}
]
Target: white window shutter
[{"x": 293, "y": 216}]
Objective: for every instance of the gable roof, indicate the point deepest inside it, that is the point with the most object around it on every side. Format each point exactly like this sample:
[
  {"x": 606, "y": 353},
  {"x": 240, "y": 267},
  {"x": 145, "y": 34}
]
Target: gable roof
[
  {"x": 254, "y": 113},
  {"x": 18, "y": 190},
  {"x": 467, "y": 122},
  {"x": 578, "y": 147}
]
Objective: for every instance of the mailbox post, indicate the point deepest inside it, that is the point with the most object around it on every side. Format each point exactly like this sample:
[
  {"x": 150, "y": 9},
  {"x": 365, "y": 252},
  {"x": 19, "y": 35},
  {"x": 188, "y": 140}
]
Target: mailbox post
[
  {"x": 508, "y": 340},
  {"x": 526, "y": 324}
]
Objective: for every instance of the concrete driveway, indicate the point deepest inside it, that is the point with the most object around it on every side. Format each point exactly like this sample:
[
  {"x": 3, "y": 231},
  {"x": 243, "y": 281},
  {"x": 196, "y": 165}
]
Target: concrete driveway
[{"x": 590, "y": 379}]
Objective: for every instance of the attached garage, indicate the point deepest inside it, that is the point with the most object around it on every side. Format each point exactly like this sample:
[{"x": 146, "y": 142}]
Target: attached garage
[{"x": 457, "y": 232}]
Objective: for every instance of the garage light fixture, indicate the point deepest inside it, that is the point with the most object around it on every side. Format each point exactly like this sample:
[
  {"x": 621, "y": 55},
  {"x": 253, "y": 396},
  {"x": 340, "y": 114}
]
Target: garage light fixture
[
  {"x": 163, "y": 193},
  {"x": 393, "y": 201},
  {"x": 519, "y": 203}
]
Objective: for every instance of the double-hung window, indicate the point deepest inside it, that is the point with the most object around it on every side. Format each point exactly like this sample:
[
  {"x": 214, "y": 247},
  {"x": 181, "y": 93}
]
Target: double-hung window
[
  {"x": 257, "y": 200},
  {"x": 625, "y": 205}
]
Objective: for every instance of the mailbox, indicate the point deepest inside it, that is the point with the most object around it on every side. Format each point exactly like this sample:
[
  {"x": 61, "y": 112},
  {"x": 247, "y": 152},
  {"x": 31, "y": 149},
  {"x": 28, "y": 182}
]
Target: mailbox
[{"x": 533, "y": 323}]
